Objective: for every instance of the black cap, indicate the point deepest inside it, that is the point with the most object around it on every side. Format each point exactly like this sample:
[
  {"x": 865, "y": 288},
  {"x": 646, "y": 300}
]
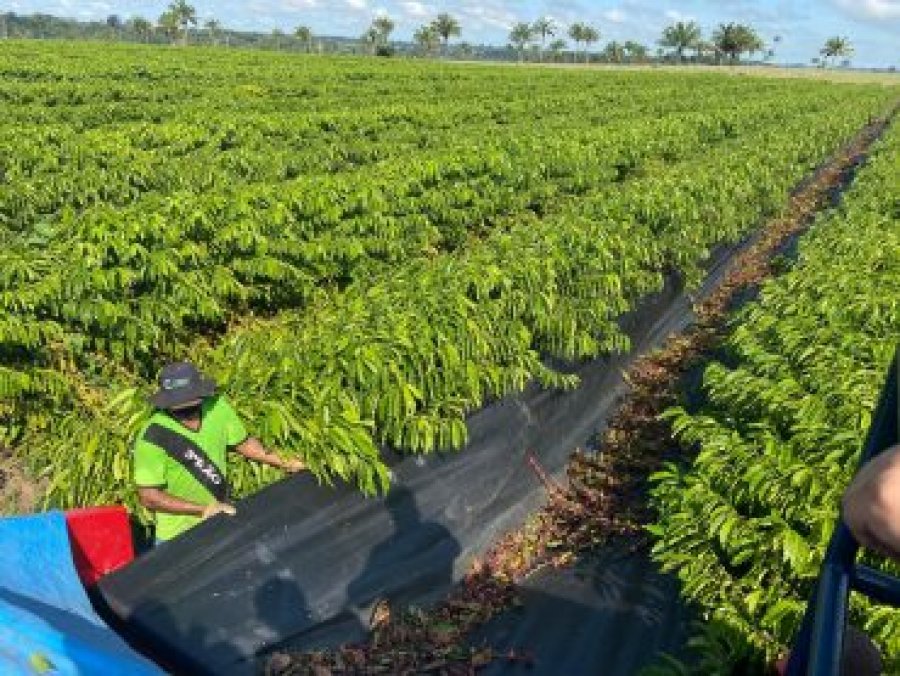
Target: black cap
[{"x": 180, "y": 384}]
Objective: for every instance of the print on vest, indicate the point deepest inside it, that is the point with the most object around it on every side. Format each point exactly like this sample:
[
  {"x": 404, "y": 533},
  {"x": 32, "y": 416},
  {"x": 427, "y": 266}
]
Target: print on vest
[
  {"x": 190, "y": 456},
  {"x": 209, "y": 470}
]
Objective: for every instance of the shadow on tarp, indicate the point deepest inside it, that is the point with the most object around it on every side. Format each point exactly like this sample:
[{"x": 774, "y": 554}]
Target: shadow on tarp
[
  {"x": 205, "y": 599},
  {"x": 609, "y": 613}
]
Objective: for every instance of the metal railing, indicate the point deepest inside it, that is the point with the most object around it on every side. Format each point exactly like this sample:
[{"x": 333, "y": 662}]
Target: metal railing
[{"x": 819, "y": 644}]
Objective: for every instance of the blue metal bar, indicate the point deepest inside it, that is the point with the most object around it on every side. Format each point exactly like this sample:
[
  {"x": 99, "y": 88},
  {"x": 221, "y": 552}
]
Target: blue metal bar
[
  {"x": 799, "y": 659},
  {"x": 818, "y": 646},
  {"x": 878, "y": 586},
  {"x": 832, "y": 596}
]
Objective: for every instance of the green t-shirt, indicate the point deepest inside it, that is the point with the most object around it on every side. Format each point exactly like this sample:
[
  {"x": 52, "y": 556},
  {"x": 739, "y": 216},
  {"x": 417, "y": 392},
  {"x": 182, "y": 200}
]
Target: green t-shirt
[{"x": 153, "y": 468}]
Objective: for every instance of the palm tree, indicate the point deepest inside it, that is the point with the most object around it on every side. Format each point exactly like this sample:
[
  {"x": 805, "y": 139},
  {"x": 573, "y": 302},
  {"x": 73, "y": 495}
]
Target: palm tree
[
  {"x": 635, "y": 50},
  {"x": 704, "y": 47},
  {"x": 446, "y": 27},
  {"x": 185, "y": 15},
  {"x": 305, "y": 36},
  {"x": 277, "y": 35},
  {"x": 576, "y": 32},
  {"x": 370, "y": 39},
  {"x": 378, "y": 34},
  {"x": 752, "y": 42},
  {"x": 734, "y": 39},
  {"x": 680, "y": 36},
  {"x": 140, "y": 27},
  {"x": 114, "y": 21},
  {"x": 726, "y": 38},
  {"x": 385, "y": 27},
  {"x": 544, "y": 26},
  {"x": 168, "y": 25},
  {"x": 557, "y": 47},
  {"x": 520, "y": 35},
  {"x": 427, "y": 38},
  {"x": 212, "y": 28},
  {"x": 614, "y": 52},
  {"x": 835, "y": 47},
  {"x": 775, "y": 42},
  {"x": 590, "y": 36}
]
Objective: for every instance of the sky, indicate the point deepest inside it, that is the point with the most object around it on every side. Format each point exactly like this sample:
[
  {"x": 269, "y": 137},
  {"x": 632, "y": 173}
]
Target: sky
[{"x": 873, "y": 26}]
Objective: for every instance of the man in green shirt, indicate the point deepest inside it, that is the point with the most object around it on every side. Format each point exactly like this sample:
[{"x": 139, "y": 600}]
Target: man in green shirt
[{"x": 180, "y": 455}]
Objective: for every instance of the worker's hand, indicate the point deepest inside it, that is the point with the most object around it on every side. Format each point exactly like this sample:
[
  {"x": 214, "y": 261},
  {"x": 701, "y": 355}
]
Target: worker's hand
[
  {"x": 217, "y": 508},
  {"x": 293, "y": 465}
]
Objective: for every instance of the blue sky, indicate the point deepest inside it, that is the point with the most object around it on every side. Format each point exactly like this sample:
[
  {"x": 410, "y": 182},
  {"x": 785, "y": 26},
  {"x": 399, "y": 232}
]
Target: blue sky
[{"x": 873, "y": 26}]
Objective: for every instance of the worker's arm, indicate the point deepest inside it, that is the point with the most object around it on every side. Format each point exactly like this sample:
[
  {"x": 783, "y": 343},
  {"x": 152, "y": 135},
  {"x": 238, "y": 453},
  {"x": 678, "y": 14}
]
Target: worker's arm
[
  {"x": 871, "y": 505},
  {"x": 252, "y": 449},
  {"x": 157, "y": 500}
]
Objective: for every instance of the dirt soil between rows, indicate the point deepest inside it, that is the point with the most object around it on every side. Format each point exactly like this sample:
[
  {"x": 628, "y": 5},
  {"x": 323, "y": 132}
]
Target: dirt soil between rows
[
  {"x": 604, "y": 495},
  {"x": 19, "y": 493}
]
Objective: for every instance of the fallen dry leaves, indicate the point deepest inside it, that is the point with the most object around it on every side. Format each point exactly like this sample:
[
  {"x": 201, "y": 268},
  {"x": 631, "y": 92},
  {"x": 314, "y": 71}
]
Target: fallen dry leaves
[{"x": 602, "y": 496}]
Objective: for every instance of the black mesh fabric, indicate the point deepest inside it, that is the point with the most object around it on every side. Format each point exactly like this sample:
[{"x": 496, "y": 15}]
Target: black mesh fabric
[{"x": 302, "y": 564}]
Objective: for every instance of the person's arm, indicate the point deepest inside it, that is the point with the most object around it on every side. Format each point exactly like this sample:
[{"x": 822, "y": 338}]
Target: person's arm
[
  {"x": 158, "y": 500},
  {"x": 871, "y": 504},
  {"x": 252, "y": 449}
]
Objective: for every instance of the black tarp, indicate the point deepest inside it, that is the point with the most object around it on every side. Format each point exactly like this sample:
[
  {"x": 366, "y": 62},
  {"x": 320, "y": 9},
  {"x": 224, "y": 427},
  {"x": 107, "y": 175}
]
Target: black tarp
[
  {"x": 612, "y": 612},
  {"x": 301, "y": 564}
]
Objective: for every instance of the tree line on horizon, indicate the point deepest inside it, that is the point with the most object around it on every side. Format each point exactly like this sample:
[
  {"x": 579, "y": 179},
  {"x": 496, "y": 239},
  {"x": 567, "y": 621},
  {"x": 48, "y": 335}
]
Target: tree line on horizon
[{"x": 680, "y": 42}]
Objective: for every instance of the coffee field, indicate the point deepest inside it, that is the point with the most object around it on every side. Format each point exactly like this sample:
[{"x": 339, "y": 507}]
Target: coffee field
[
  {"x": 787, "y": 409},
  {"x": 361, "y": 251}
]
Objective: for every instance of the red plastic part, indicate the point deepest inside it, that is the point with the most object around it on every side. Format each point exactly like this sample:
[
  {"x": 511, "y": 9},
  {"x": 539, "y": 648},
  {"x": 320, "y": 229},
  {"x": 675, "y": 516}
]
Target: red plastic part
[{"x": 101, "y": 541}]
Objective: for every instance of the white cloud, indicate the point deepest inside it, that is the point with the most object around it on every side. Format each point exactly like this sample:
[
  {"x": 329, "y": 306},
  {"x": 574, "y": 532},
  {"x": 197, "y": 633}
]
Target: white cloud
[
  {"x": 293, "y": 5},
  {"x": 615, "y": 15},
  {"x": 416, "y": 10},
  {"x": 357, "y": 4},
  {"x": 876, "y": 10},
  {"x": 675, "y": 15},
  {"x": 488, "y": 14}
]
